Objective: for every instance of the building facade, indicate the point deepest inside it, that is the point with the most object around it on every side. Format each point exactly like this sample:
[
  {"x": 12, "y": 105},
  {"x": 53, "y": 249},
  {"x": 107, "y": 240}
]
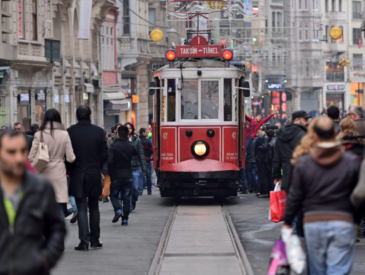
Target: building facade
[{"x": 47, "y": 65}]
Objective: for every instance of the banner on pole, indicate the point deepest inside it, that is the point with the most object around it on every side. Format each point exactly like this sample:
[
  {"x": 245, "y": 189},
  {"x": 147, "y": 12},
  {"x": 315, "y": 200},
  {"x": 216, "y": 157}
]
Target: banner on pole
[{"x": 85, "y": 19}]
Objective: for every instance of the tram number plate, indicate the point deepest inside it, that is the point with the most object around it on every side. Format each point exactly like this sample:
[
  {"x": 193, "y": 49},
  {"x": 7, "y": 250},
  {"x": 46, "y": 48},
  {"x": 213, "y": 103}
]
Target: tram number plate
[{"x": 199, "y": 51}]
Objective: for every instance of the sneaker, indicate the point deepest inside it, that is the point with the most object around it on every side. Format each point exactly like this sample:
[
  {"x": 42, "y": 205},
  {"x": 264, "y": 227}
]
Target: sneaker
[
  {"x": 258, "y": 194},
  {"x": 117, "y": 216},
  {"x": 124, "y": 222}
]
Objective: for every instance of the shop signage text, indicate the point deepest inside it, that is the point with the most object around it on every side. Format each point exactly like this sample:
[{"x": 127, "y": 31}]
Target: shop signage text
[{"x": 336, "y": 87}]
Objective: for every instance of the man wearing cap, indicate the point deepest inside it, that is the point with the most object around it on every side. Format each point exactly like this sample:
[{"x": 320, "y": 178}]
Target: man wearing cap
[{"x": 288, "y": 138}]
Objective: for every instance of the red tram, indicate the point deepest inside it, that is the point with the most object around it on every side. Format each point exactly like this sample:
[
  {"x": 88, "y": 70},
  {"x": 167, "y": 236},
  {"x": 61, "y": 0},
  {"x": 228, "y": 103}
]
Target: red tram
[{"x": 198, "y": 120}]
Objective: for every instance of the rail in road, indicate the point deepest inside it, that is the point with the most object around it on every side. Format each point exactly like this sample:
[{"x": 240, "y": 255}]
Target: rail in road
[{"x": 200, "y": 239}]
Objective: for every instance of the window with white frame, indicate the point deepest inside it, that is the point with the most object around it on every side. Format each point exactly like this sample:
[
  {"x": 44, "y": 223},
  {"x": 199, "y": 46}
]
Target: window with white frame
[
  {"x": 316, "y": 5},
  {"x": 356, "y": 10},
  {"x": 316, "y": 68},
  {"x": 305, "y": 4},
  {"x": 306, "y": 33},
  {"x": 300, "y": 2},
  {"x": 151, "y": 18},
  {"x": 307, "y": 69},
  {"x": 300, "y": 33},
  {"x": 107, "y": 46}
]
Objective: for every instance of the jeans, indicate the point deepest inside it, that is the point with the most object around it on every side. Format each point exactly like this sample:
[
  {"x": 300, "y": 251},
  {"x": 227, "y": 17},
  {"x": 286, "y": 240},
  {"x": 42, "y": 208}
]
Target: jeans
[
  {"x": 86, "y": 235},
  {"x": 63, "y": 209},
  {"x": 244, "y": 180},
  {"x": 362, "y": 227},
  {"x": 137, "y": 182},
  {"x": 248, "y": 143},
  {"x": 147, "y": 180},
  {"x": 123, "y": 187},
  {"x": 330, "y": 246},
  {"x": 72, "y": 198},
  {"x": 251, "y": 173}
]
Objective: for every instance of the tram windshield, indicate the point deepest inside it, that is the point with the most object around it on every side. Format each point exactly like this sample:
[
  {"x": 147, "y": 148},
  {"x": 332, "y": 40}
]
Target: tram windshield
[
  {"x": 189, "y": 100},
  {"x": 209, "y": 99}
]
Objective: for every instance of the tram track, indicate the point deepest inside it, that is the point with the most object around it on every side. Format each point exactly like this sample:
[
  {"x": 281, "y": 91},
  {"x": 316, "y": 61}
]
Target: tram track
[{"x": 206, "y": 254}]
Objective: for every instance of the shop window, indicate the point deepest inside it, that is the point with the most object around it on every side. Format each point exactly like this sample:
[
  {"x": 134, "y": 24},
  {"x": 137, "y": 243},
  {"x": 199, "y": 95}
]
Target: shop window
[
  {"x": 171, "y": 100},
  {"x": 189, "y": 100},
  {"x": 40, "y": 106},
  {"x": 34, "y": 19},
  {"x": 334, "y": 72},
  {"x": 209, "y": 99},
  {"x": 227, "y": 100}
]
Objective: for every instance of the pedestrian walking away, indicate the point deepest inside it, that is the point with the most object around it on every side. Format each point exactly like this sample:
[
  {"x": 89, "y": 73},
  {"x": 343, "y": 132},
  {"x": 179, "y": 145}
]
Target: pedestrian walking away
[
  {"x": 59, "y": 145},
  {"x": 356, "y": 113},
  {"x": 30, "y": 220},
  {"x": 288, "y": 138},
  {"x": 148, "y": 152},
  {"x": 324, "y": 194},
  {"x": 120, "y": 171},
  {"x": 139, "y": 167},
  {"x": 89, "y": 145}
]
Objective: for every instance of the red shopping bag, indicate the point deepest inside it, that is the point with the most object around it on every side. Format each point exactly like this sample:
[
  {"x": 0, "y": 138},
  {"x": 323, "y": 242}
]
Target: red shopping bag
[{"x": 277, "y": 204}]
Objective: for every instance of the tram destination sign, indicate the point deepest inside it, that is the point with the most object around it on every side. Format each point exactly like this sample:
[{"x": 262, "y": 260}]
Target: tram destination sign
[{"x": 199, "y": 51}]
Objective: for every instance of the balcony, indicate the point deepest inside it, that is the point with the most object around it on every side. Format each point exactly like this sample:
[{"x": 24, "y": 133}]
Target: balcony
[
  {"x": 336, "y": 16},
  {"x": 277, "y": 3},
  {"x": 337, "y": 47}
]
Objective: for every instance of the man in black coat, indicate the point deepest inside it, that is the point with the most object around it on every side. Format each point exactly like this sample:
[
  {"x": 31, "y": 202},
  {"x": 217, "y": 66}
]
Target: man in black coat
[
  {"x": 89, "y": 145},
  {"x": 20, "y": 128},
  {"x": 288, "y": 138}
]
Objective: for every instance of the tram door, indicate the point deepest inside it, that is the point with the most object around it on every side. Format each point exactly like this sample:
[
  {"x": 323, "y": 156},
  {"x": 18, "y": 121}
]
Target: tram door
[{"x": 156, "y": 120}]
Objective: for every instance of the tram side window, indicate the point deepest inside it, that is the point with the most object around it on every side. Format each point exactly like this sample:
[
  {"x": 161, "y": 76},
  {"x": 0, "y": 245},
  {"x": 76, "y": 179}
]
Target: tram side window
[
  {"x": 189, "y": 100},
  {"x": 227, "y": 100},
  {"x": 171, "y": 106},
  {"x": 210, "y": 99}
]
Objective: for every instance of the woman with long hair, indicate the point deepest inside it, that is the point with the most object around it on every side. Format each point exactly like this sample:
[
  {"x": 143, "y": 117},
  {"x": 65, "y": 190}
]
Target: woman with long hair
[
  {"x": 349, "y": 137},
  {"x": 306, "y": 143},
  {"x": 54, "y": 135}
]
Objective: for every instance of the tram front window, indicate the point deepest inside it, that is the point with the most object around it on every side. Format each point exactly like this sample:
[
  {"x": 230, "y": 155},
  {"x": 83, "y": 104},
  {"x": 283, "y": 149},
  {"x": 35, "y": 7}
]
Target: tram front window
[
  {"x": 210, "y": 99},
  {"x": 189, "y": 100}
]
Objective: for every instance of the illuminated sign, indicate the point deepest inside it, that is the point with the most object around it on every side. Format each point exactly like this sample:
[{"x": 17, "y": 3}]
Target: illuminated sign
[
  {"x": 274, "y": 86},
  {"x": 20, "y": 18},
  {"x": 336, "y": 87}
]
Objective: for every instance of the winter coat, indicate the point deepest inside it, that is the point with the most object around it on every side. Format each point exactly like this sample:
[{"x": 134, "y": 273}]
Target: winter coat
[
  {"x": 120, "y": 159},
  {"x": 59, "y": 148},
  {"x": 38, "y": 231},
  {"x": 354, "y": 144},
  {"x": 147, "y": 148},
  {"x": 250, "y": 158},
  {"x": 139, "y": 160},
  {"x": 358, "y": 195},
  {"x": 323, "y": 181},
  {"x": 89, "y": 145},
  {"x": 255, "y": 125},
  {"x": 29, "y": 141},
  {"x": 360, "y": 126},
  {"x": 288, "y": 138}
]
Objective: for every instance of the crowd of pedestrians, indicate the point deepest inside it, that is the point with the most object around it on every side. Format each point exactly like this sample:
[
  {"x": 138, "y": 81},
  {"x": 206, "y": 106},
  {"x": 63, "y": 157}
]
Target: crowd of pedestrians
[{"x": 325, "y": 206}]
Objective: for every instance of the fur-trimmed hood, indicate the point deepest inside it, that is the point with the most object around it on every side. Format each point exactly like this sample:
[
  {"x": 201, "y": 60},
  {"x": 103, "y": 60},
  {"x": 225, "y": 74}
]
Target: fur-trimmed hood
[{"x": 353, "y": 140}]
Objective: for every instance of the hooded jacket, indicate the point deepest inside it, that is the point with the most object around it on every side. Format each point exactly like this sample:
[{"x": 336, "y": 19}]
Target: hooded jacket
[
  {"x": 325, "y": 192},
  {"x": 288, "y": 138}
]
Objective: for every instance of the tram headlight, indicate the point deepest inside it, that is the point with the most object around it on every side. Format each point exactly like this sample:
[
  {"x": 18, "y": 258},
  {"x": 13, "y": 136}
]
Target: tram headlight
[
  {"x": 227, "y": 54},
  {"x": 170, "y": 55},
  {"x": 200, "y": 149}
]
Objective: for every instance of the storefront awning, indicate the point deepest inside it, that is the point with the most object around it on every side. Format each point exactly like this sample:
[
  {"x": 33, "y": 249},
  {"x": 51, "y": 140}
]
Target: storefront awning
[
  {"x": 89, "y": 88},
  {"x": 114, "y": 107},
  {"x": 113, "y": 96}
]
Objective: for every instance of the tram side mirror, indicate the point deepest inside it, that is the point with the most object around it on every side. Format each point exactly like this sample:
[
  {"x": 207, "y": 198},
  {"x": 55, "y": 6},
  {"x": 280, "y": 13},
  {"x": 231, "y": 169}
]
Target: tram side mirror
[
  {"x": 152, "y": 88},
  {"x": 246, "y": 89}
]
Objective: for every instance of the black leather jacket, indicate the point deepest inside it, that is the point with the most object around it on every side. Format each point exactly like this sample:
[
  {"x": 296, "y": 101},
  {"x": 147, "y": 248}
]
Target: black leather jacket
[{"x": 38, "y": 232}]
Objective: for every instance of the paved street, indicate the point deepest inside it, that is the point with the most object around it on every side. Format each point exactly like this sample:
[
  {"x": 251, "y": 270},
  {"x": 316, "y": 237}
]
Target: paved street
[
  {"x": 130, "y": 250},
  {"x": 127, "y": 250},
  {"x": 257, "y": 233}
]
